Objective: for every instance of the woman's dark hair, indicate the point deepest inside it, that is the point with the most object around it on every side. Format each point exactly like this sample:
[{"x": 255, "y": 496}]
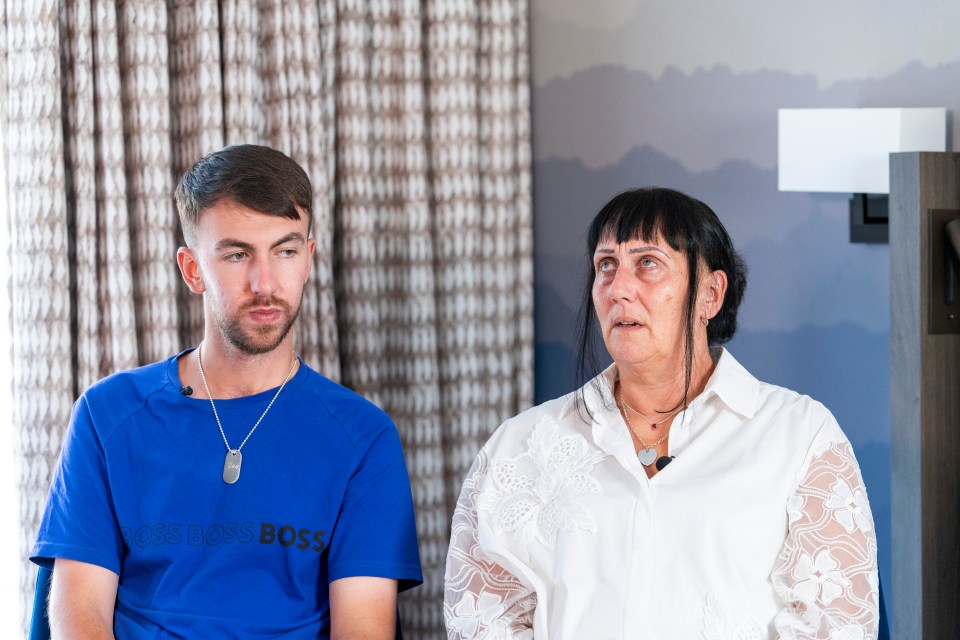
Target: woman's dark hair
[
  {"x": 256, "y": 177},
  {"x": 686, "y": 224}
]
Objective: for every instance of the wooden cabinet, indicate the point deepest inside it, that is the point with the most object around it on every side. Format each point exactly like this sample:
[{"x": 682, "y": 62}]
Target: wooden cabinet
[{"x": 925, "y": 403}]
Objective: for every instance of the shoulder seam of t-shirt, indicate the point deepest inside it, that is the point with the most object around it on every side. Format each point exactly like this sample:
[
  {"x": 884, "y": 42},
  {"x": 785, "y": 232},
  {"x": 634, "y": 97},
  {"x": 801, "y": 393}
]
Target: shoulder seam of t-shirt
[
  {"x": 336, "y": 418},
  {"x": 132, "y": 411}
]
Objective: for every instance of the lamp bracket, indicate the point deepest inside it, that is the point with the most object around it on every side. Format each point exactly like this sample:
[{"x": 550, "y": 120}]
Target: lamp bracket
[{"x": 869, "y": 218}]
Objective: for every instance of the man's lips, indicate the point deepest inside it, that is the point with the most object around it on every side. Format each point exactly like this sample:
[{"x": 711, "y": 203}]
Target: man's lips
[{"x": 265, "y": 314}]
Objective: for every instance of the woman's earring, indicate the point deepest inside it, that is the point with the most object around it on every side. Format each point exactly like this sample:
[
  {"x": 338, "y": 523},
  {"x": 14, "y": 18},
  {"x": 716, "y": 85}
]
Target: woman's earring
[{"x": 704, "y": 319}]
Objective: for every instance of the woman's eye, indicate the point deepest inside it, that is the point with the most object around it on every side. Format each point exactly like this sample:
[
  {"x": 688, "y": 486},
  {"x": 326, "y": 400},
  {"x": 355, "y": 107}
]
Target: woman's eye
[{"x": 648, "y": 262}]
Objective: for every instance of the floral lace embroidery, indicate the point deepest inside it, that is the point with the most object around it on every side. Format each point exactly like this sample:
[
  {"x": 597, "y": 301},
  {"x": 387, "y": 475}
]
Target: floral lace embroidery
[
  {"x": 482, "y": 600},
  {"x": 827, "y": 570},
  {"x": 537, "y": 493},
  {"x": 849, "y": 632},
  {"x": 820, "y": 578},
  {"x": 850, "y": 507}
]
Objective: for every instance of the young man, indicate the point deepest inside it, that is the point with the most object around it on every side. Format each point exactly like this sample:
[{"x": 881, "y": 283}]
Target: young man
[{"x": 230, "y": 491}]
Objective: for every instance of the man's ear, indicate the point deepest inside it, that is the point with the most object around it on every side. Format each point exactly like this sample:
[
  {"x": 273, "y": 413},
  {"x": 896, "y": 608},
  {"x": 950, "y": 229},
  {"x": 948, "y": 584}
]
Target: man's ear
[
  {"x": 190, "y": 269},
  {"x": 311, "y": 247}
]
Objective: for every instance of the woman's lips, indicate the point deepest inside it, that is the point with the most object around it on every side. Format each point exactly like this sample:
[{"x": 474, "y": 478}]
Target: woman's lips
[{"x": 626, "y": 323}]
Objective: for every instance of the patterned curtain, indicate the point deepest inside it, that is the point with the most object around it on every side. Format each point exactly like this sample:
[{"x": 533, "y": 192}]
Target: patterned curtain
[{"x": 412, "y": 120}]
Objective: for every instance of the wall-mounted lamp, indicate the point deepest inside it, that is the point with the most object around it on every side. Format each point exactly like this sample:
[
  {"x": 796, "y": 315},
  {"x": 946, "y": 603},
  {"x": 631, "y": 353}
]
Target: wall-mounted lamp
[{"x": 847, "y": 151}]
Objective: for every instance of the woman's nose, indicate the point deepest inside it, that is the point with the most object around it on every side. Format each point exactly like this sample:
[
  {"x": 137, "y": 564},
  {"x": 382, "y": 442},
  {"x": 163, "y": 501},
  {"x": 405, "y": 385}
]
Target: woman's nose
[{"x": 622, "y": 285}]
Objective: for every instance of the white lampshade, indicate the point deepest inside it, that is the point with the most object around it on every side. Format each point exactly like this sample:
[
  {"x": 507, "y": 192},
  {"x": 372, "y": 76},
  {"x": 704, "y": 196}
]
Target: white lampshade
[{"x": 847, "y": 150}]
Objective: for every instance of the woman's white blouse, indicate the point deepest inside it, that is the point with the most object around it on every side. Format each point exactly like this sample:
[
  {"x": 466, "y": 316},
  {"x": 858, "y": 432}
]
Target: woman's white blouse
[{"x": 759, "y": 528}]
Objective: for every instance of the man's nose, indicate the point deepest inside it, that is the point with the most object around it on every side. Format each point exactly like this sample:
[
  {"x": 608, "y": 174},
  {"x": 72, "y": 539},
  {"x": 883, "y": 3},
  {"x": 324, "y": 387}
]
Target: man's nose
[{"x": 263, "y": 278}]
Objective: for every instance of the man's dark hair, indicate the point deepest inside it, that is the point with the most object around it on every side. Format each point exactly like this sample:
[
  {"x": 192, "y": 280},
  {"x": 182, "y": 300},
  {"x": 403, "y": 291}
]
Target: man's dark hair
[
  {"x": 687, "y": 225},
  {"x": 258, "y": 178}
]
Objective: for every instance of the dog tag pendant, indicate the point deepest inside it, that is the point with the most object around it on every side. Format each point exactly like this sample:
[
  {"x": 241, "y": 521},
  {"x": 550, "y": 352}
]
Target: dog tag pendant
[
  {"x": 231, "y": 466},
  {"x": 645, "y": 456}
]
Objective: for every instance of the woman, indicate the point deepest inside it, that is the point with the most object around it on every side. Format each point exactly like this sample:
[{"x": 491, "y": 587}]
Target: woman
[{"x": 673, "y": 495}]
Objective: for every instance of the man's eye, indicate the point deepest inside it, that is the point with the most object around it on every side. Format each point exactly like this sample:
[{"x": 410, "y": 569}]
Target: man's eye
[
  {"x": 236, "y": 257},
  {"x": 287, "y": 253}
]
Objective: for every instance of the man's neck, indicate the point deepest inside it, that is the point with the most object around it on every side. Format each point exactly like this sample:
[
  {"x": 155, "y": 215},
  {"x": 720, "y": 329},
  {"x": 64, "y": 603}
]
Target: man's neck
[{"x": 232, "y": 373}]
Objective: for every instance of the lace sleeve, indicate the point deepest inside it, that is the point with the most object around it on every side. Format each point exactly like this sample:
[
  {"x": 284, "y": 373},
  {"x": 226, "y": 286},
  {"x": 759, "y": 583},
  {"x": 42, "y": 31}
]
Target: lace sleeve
[
  {"x": 826, "y": 573},
  {"x": 481, "y": 598}
]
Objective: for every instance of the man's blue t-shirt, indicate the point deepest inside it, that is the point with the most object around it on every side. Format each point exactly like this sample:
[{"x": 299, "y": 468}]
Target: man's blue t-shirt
[{"x": 323, "y": 494}]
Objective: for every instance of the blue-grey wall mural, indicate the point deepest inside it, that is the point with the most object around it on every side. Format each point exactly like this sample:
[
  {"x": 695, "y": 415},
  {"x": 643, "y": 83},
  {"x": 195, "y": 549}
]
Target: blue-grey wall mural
[{"x": 630, "y": 93}]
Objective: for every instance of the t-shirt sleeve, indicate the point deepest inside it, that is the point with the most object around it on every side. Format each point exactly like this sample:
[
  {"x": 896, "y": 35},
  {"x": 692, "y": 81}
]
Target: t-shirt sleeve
[
  {"x": 375, "y": 534},
  {"x": 79, "y": 522}
]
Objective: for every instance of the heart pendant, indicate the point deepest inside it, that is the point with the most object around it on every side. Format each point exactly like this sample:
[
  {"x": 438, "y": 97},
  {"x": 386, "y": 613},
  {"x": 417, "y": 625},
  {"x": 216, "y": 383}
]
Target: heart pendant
[{"x": 646, "y": 456}]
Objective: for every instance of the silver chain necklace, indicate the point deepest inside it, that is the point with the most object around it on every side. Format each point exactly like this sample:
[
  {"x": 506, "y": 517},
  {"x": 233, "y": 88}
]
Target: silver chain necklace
[
  {"x": 233, "y": 459},
  {"x": 648, "y": 455}
]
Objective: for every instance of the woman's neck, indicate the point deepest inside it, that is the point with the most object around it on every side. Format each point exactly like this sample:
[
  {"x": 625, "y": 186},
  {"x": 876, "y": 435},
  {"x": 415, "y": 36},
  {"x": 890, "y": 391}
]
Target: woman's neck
[{"x": 660, "y": 389}]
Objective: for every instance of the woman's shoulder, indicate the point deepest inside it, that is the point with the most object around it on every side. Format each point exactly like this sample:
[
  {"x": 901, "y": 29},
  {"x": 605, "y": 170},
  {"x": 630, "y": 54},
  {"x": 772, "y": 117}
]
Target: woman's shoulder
[
  {"x": 776, "y": 400},
  {"x": 772, "y": 412},
  {"x": 766, "y": 401},
  {"x": 797, "y": 420},
  {"x": 551, "y": 419}
]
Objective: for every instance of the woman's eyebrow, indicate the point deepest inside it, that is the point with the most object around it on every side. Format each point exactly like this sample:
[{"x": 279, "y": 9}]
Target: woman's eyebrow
[
  {"x": 641, "y": 249},
  {"x": 646, "y": 248}
]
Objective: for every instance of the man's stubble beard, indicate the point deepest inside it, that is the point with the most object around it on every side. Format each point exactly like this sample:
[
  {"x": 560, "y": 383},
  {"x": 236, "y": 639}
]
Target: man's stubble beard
[{"x": 236, "y": 336}]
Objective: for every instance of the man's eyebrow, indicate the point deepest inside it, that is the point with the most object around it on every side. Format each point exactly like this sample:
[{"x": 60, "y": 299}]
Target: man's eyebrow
[
  {"x": 233, "y": 243},
  {"x": 293, "y": 236}
]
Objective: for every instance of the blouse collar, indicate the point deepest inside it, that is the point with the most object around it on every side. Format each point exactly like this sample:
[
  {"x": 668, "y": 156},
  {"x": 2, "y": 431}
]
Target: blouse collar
[
  {"x": 733, "y": 385},
  {"x": 730, "y": 383}
]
